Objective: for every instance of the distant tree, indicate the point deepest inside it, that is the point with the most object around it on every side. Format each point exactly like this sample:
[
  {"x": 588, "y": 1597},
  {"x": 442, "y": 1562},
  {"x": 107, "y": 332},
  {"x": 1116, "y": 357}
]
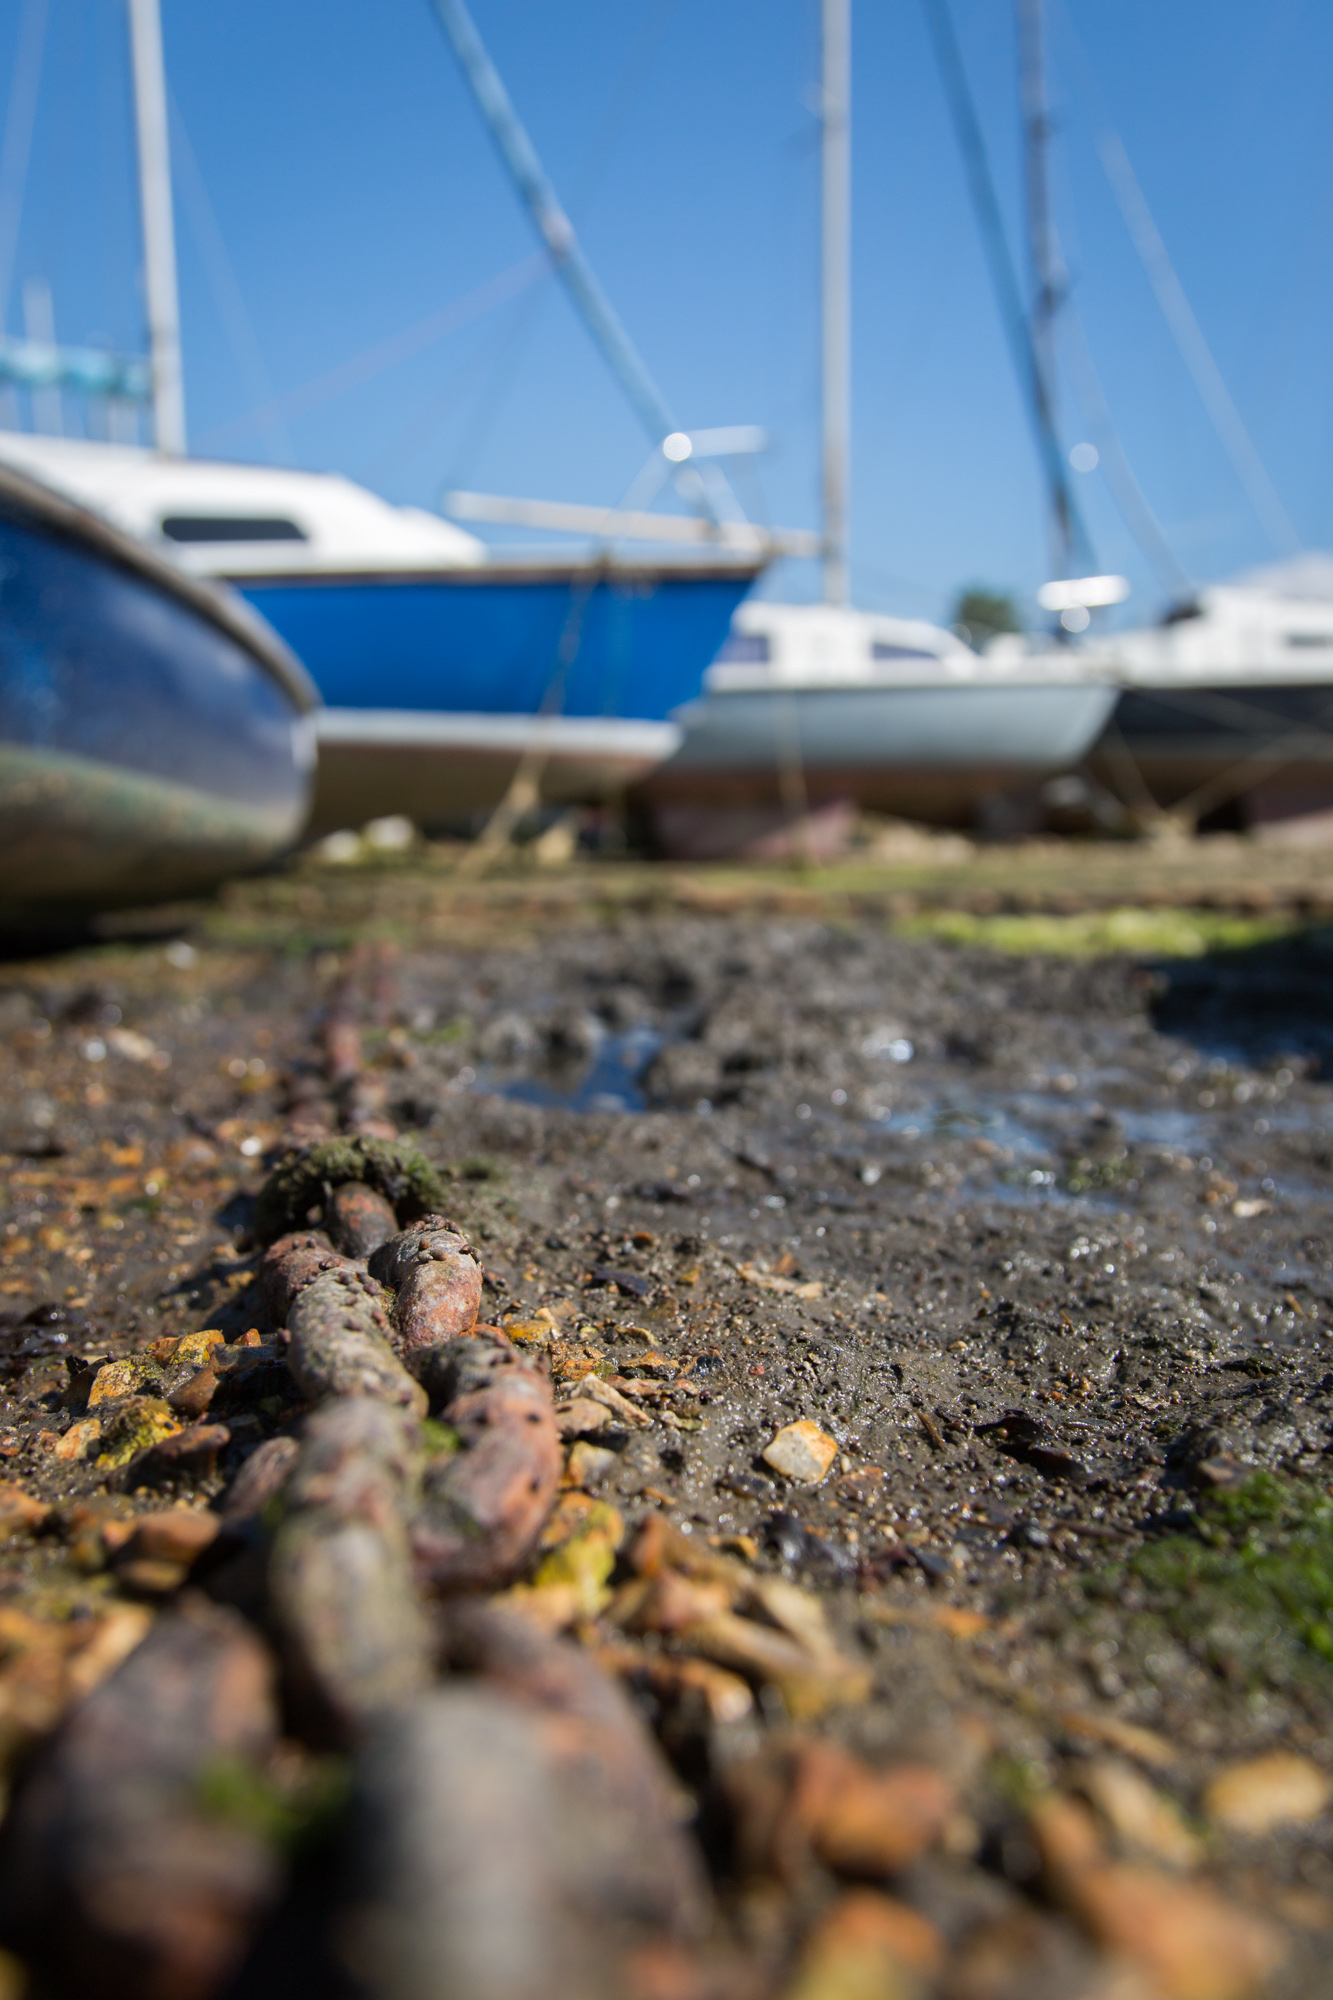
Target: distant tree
[{"x": 979, "y": 615}]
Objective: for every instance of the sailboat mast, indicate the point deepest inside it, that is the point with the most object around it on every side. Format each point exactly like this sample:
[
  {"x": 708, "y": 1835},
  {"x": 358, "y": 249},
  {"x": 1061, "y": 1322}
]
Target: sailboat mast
[
  {"x": 836, "y": 315},
  {"x": 1046, "y": 268},
  {"x": 159, "y": 235}
]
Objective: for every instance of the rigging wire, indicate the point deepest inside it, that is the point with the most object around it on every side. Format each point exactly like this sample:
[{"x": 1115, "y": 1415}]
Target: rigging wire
[
  {"x": 1125, "y": 491},
  {"x": 990, "y": 225},
  {"x": 1048, "y": 276},
  {"x": 892, "y": 581},
  {"x": 269, "y": 415},
  {"x": 1292, "y": 315},
  {"x": 707, "y": 492},
  {"x": 550, "y": 220},
  {"x": 373, "y": 361},
  {"x": 1128, "y": 495},
  {"x": 1194, "y": 349},
  {"x": 623, "y": 96},
  {"x": 426, "y": 416},
  {"x": 513, "y": 346},
  {"x": 222, "y": 280},
  {"x": 20, "y": 119},
  {"x": 510, "y": 353}
]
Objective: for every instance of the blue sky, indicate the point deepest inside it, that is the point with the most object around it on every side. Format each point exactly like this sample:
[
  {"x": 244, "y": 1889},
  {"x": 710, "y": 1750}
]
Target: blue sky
[{"x": 335, "y": 187}]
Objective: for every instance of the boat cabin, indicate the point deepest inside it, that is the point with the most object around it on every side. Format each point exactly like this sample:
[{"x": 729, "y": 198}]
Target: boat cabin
[
  {"x": 239, "y": 521},
  {"x": 1272, "y": 626},
  {"x": 823, "y": 645}
]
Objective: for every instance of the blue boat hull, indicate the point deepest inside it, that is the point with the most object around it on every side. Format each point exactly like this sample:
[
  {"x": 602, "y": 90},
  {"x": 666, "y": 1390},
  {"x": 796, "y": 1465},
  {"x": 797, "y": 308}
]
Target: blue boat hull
[
  {"x": 632, "y": 642},
  {"x": 153, "y": 738},
  {"x": 437, "y": 687}
]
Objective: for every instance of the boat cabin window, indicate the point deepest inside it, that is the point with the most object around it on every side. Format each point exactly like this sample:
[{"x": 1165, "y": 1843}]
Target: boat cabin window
[
  {"x": 1310, "y": 638},
  {"x": 752, "y": 647},
  {"x": 881, "y": 649},
  {"x": 230, "y": 528}
]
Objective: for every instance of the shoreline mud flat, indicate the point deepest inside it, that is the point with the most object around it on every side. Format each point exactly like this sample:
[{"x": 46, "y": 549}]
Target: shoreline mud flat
[{"x": 940, "y": 1344}]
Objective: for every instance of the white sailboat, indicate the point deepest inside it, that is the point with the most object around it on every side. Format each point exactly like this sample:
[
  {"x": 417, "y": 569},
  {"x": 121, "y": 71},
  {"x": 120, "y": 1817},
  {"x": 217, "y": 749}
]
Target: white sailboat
[
  {"x": 1226, "y": 715},
  {"x": 807, "y": 706},
  {"x": 812, "y": 706}
]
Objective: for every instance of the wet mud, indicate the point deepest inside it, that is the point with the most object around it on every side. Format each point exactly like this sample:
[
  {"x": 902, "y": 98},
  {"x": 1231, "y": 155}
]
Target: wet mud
[{"x": 1039, "y": 1248}]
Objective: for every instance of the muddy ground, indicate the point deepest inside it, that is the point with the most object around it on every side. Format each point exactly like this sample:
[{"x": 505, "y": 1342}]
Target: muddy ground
[{"x": 1042, "y": 1244}]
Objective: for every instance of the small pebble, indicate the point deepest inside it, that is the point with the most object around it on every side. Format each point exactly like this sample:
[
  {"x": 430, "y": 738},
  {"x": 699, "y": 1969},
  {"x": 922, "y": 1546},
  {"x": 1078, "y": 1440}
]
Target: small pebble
[
  {"x": 801, "y": 1452},
  {"x": 589, "y": 1464},
  {"x": 178, "y": 1535},
  {"x": 1266, "y": 1792}
]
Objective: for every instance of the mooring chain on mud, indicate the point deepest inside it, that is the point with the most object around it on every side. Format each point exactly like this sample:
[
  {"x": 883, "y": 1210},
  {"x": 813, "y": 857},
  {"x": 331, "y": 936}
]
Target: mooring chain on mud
[
  {"x": 436, "y": 1281},
  {"x": 370, "y": 1518},
  {"x": 411, "y": 1710},
  {"x": 343, "y": 1541}
]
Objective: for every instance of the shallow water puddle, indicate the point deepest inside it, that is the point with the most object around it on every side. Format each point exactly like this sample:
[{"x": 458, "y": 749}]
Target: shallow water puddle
[{"x": 610, "y": 1081}]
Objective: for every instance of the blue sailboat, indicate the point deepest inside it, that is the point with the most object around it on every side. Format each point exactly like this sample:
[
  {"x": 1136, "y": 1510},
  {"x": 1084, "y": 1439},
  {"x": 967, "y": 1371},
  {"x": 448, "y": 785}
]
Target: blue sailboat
[
  {"x": 579, "y": 666},
  {"x": 440, "y": 668},
  {"x": 443, "y": 672}
]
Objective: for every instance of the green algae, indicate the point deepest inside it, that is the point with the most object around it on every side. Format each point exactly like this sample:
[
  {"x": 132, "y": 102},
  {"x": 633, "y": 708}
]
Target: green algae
[
  {"x": 139, "y": 1423},
  {"x": 289, "y": 1810},
  {"x": 457, "y": 1030},
  {"x": 1247, "y": 1588},
  {"x": 306, "y": 1179},
  {"x": 1142, "y": 933},
  {"x": 1085, "y": 1176},
  {"x": 440, "y": 1440},
  {"x": 1018, "y": 1780}
]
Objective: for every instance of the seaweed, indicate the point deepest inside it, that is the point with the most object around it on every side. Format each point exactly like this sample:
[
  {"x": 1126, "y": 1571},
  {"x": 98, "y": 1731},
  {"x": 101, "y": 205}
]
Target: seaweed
[
  {"x": 1090, "y": 1176},
  {"x": 306, "y": 1179},
  {"x": 1247, "y": 1587},
  {"x": 1094, "y": 933},
  {"x": 291, "y": 1806}
]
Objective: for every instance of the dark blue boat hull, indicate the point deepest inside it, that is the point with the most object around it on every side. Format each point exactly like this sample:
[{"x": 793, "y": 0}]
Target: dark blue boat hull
[{"x": 148, "y": 746}]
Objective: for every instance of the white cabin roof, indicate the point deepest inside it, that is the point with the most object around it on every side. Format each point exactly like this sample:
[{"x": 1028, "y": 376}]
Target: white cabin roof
[
  {"x": 1270, "y": 625},
  {"x": 1307, "y": 577},
  {"x": 828, "y": 645},
  {"x": 307, "y": 521}
]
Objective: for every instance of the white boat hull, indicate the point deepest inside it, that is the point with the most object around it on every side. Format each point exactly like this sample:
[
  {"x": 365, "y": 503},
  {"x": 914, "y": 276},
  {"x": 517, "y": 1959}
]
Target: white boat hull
[
  {"x": 440, "y": 768},
  {"x": 935, "y": 752}
]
